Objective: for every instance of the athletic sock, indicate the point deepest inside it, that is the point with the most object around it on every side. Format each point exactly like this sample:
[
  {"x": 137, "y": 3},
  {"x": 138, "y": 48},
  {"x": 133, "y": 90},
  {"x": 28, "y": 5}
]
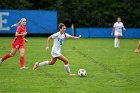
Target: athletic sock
[
  {"x": 118, "y": 44},
  {"x": 5, "y": 57},
  {"x": 21, "y": 61},
  {"x": 67, "y": 68},
  {"x": 0, "y": 61},
  {"x": 44, "y": 63},
  {"x": 115, "y": 42}
]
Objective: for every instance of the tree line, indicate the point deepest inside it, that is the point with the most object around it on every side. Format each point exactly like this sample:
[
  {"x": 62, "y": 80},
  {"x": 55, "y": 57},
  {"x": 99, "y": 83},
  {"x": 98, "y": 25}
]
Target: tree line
[{"x": 84, "y": 13}]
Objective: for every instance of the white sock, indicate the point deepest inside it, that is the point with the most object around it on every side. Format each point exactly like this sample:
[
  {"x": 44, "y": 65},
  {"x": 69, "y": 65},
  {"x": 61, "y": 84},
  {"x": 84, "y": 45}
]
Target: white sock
[
  {"x": 118, "y": 44},
  {"x": 115, "y": 42},
  {"x": 0, "y": 61},
  {"x": 67, "y": 68},
  {"x": 44, "y": 63}
]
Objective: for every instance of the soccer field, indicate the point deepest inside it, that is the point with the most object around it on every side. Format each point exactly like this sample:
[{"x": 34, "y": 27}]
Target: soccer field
[{"x": 109, "y": 69}]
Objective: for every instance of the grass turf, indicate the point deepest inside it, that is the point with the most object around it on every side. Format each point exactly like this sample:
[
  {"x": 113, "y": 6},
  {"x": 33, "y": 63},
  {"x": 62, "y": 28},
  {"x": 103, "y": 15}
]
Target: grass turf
[{"x": 109, "y": 70}]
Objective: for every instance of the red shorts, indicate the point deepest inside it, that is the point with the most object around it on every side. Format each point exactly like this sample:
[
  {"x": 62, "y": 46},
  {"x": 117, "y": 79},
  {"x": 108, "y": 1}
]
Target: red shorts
[{"x": 18, "y": 44}]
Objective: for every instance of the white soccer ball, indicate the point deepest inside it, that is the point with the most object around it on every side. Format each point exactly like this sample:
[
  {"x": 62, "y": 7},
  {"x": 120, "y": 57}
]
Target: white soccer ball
[{"x": 81, "y": 72}]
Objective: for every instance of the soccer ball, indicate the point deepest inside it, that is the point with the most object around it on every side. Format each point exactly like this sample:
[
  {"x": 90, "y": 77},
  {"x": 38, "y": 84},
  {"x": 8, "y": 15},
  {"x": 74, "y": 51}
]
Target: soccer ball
[{"x": 81, "y": 72}]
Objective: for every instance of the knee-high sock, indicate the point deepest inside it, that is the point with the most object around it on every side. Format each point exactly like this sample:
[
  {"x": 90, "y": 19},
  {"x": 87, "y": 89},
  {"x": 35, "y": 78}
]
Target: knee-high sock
[
  {"x": 5, "y": 57},
  {"x": 118, "y": 44},
  {"x": 44, "y": 63},
  {"x": 67, "y": 68},
  {"x": 115, "y": 42},
  {"x": 21, "y": 61}
]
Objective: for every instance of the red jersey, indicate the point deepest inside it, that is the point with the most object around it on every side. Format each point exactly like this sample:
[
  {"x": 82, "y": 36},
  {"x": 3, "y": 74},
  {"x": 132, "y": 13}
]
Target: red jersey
[
  {"x": 20, "y": 29},
  {"x": 18, "y": 41}
]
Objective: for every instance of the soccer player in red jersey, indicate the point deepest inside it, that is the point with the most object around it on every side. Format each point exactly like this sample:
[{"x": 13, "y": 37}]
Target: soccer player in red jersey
[{"x": 18, "y": 43}]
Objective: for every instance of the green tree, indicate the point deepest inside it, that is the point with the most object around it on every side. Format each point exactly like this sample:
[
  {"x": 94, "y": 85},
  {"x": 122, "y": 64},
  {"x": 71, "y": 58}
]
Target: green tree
[{"x": 84, "y": 13}]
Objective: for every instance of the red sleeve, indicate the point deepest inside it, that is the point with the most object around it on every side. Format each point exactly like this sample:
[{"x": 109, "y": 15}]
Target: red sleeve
[{"x": 18, "y": 29}]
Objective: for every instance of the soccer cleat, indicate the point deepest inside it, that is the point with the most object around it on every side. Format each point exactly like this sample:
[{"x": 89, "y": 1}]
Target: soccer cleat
[
  {"x": 137, "y": 51},
  {"x": 70, "y": 74},
  {"x": 35, "y": 66},
  {"x": 24, "y": 67}
]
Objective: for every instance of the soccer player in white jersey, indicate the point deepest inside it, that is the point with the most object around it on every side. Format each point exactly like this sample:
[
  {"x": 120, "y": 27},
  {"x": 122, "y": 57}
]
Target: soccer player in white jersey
[
  {"x": 58, "y": 37},
  {"x": 137, "y": 50},
  {"x": 117, "y": 28}
]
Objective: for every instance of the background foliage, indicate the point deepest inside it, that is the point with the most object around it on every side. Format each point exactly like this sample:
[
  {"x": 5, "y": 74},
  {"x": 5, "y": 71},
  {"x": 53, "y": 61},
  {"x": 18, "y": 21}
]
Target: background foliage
[{"x": 84, "y": 13}]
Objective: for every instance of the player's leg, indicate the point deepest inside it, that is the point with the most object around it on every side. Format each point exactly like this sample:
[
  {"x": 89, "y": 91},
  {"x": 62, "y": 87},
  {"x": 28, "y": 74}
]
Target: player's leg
[
  {"x": 118, "y": 44},
  {"x": 13, "y": 52},
  {"x": 66, "y": 65},
  {"x": 45, "y": 63},
  {"x": 22, "y": 50},
  {"x": 116, "y": 41},
  {"x": 137, "y": 50},
  {"x": 138, "y": 46}
]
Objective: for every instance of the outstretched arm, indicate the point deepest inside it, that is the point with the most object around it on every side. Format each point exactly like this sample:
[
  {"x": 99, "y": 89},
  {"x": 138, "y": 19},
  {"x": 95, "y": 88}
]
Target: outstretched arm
[
  {"x": 75, "y": 37},
  {"x": 48, "y": 43}
]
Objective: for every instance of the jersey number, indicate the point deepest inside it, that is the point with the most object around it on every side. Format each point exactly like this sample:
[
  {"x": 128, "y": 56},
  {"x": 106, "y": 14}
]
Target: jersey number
[{"x": 60, "y": 41}]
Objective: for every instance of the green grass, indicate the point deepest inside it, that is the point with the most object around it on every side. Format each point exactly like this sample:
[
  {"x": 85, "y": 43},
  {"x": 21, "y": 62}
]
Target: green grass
[{"x": 109, "y": 70}]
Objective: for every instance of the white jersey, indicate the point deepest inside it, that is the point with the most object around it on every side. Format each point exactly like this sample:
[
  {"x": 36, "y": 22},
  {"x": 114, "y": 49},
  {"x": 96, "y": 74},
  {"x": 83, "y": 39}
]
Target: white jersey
[
  {"x": 58, "y": 41},
  {"x": 118, "y": 27}
]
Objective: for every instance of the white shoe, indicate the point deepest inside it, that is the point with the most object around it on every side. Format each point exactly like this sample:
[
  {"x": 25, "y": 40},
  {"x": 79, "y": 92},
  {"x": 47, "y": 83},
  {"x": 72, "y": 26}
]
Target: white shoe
[
  {"x": 70, "y": 74},
  {"x": 24, "y": 67},
  {"x": 35, "y": 66},
  {"x": 137, "y": 51},
  {"x": 116, "y": 46},
  {"x": 0, "y": 60}
]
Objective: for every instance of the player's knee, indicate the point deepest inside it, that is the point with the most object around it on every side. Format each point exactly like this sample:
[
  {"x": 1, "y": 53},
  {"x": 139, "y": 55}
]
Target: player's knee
[
  {"x": 51, "y": 63},
  {"x": 11, "y": 55},
  {"x": 66, "y": 62},
  {"x": 22, "y": 54}
]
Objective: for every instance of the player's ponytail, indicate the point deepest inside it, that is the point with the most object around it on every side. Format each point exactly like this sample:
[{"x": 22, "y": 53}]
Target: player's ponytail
[{"x": 18, "y": 24}]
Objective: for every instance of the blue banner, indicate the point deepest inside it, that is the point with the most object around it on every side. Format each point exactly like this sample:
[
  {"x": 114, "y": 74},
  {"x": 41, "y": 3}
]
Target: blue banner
[
  {"x": 38, "y": 21},
  {"x": 106, "y": 32}
]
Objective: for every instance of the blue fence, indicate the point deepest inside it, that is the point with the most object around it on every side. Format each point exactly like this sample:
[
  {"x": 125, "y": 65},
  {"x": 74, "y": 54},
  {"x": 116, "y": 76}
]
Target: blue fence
[
  {"x": 132, "y": 33},
  {"x": 106, "y": 32},
  {"x": 38, "y": 22},
  {"x": 45, "y": 22}
]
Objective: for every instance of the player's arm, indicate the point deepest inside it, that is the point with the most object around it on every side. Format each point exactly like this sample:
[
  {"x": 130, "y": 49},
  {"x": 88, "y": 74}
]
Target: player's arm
[
  {"x": 74, "y": 37},
  {"x": 124, "y": 28},
  {"x": 21, "y": 34},
  {"x": 25, "y": 40},
  {"x": 113, "y": 29},
  {"x": 48, "y": 42}
]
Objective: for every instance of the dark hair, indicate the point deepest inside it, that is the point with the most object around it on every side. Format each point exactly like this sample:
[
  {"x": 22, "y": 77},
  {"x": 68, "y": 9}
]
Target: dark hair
[{"x": 60, "y": 25}]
